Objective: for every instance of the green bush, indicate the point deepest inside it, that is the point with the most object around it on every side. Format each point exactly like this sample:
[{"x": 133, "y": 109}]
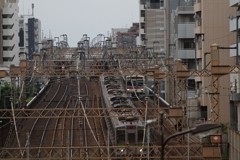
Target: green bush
[{"x": 29, "y": 99}]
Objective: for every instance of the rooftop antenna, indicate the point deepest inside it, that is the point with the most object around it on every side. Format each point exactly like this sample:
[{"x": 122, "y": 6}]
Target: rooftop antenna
[
  {"x": 33, "y": 9},
  {"x": 49, "y": 33}
]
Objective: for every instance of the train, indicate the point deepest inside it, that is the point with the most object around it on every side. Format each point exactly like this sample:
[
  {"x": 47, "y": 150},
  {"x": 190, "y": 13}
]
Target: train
[
  {"x": 127, "y": 130},
  {"x": 135, "y": 85}
]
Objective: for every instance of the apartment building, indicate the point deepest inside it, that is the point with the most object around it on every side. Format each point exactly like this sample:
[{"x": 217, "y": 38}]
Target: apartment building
[
  {"x": 183, "y": 47},
  {"x": 212, "y": 26},
  {"x": 152, "y": 28},
  {"x": 234, "y": 78},
  {"x": 9, "y": 52},
  {"x": 171, "y": 6},
  {"x": 234, "y": 131}
]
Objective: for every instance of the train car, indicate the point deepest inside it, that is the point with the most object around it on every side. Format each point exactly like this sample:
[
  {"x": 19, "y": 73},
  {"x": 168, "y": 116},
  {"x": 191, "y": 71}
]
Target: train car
[
  {"x": 127, "y": 130},
  {"x": 135, "y": 85}
]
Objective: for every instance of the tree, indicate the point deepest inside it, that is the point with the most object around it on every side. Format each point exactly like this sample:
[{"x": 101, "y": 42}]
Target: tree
[{"x": 5, "y": 91}]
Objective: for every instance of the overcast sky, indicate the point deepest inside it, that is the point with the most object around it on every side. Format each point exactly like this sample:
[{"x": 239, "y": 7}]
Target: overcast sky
[{"x": 78, "y": 17}]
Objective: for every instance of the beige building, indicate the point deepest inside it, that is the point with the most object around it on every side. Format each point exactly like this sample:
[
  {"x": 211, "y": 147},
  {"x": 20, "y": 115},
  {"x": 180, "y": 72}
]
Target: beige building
[
  {"x": 212, "y": 26},
  {"x": 152, "y": 28}
]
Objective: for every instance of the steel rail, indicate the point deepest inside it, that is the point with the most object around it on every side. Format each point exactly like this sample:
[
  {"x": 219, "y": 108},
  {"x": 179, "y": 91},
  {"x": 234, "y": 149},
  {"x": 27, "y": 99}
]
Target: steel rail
[
  {"x": 35, "y": 122},
  {"x": 47, "y": 123}
]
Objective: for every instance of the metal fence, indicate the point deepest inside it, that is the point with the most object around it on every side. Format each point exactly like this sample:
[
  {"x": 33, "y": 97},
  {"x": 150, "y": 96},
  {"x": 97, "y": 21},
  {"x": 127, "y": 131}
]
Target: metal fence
[{"x": 234, "y": 145}]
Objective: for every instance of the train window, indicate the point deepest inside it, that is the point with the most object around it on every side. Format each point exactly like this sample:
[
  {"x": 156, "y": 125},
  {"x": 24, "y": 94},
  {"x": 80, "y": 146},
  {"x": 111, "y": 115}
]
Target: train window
[
  {"x": 118, "y": 98},
  {"x": 120, "y": 137},
  {"x": 129, "y": 83},
  {"x": 120, "y": 102},
  {"x": 140, "y": 135},
  {"x": 131, "y": 138},
  {"x": 140, "y": 83},
  {"x": 121, "y": 106},
  {"x": 135, "y": 83}
]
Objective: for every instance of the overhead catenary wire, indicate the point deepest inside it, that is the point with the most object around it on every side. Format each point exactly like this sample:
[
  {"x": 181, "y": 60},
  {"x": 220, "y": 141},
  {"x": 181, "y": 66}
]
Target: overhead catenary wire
[
  {"x": 16, "y": 130},
  {"x": 85, "y": 115}
]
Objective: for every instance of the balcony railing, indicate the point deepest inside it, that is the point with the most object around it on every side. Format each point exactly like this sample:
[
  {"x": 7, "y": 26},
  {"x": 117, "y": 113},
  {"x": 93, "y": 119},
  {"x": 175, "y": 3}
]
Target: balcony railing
[
  {"x": 186, "y": 22},
  {"x": 186, "y": 48}
]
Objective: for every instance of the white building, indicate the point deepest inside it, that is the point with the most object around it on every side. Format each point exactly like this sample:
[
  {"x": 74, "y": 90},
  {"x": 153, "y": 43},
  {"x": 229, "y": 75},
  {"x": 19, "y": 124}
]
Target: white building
[{"x": 9, "y": 52}]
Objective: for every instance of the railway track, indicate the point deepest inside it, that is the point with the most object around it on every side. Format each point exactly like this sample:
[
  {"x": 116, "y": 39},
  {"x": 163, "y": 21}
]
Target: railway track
[
  {"x": 73, "y": 137},
  {"x": 65, "y": 132},
  {"x": 42, "y": 130}
]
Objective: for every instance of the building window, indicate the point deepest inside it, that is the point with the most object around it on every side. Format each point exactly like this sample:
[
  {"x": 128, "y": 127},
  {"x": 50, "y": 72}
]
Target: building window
[
  {"x": 188, "y": 44},
  {"x": 143, "y": 13},
  {"x": 191, "y": 84},
  {"x": 7, "y": 59},
  {"x": 204, "y": 112}
]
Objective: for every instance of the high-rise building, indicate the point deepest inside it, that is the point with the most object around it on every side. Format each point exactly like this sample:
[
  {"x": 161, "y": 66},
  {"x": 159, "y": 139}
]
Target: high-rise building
[
  {"x": 182, "y": 35},
  {"x": 151, "y": 30},
  {"x": 9, "y": 51},
  {"x": 30, "y": 35}
]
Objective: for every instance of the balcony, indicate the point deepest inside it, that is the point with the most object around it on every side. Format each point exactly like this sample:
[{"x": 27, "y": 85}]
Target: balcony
[
  {"x": 186, "y": 53},
  {"x": 141, "y": 31},
  {"x": 8, "y": 11},
  {"x": 8, "y": 43},
  {"x": 36, "y": 25},
  {"x": 235, "y": 97},
  {"x": 8, "y": 21},
  {"x": 186, "y": 30},
  {"x": 233, "y": 25},
  {"x": 185, "y": 10},
  {"x": 8, "y": 53},
  {"x": 233, "y": 3},
  {"x": 36, "y": 32},
  {"x": 198, "y": 6},
  {"x": 141, "y": 7},
  {"x": 7, "y": 32},
  {"x": 233, "y": 51}
]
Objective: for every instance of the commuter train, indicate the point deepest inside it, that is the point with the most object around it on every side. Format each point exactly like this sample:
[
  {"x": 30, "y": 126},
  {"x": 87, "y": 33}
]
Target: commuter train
[
  {"x": 135, "y": 85},
  {"x": 127, "y": 130}
]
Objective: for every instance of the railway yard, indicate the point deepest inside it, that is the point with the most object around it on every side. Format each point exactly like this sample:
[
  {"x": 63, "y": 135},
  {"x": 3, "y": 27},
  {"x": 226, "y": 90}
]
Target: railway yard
[
  {"x": 106, "y": 105},
  {"x": 163, "y": 83},
  {"x": 76, "y": 137}
]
